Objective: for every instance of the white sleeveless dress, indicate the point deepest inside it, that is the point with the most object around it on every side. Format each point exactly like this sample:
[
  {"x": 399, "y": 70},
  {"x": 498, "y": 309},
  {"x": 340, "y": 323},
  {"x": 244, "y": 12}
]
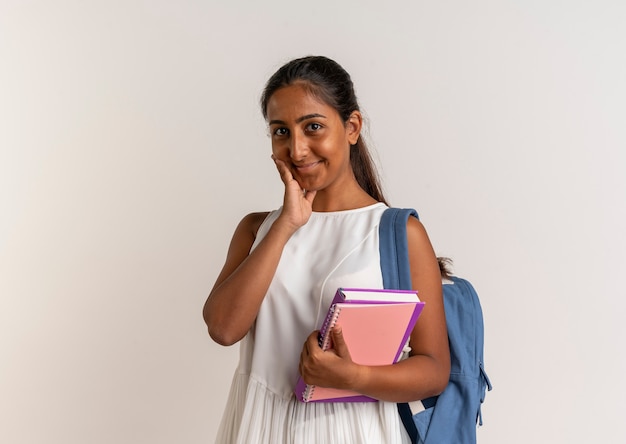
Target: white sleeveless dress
[{"x": 335, "y": 249}]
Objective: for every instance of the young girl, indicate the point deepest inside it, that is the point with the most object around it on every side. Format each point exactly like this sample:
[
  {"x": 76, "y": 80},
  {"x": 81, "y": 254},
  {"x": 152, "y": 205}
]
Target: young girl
[{"x": 283, "y": 268}]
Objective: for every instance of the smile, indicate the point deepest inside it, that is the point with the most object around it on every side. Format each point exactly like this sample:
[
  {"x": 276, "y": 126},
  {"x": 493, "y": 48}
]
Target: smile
[{"x": 307, "y": 166}]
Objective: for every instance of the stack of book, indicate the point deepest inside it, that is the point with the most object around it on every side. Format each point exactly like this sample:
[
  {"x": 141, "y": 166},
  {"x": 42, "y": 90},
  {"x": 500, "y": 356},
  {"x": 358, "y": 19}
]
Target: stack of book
[{"x": 376, "y": 325}]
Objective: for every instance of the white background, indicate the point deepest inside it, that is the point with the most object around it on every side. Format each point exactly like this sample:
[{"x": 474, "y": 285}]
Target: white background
[{"x": 131, "y": 143}]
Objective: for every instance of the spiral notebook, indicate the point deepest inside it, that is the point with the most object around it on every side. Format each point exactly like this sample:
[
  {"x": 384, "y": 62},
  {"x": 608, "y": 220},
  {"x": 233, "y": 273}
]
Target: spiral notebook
[{"x": 376, "y": 325}]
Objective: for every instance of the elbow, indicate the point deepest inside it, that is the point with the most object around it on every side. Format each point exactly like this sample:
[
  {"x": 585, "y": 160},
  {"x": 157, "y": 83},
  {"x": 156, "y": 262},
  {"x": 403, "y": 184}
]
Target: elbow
[
  {"x": 219, "y": 331},
  {"x": 223, "y": 330},
  {"x": 440, "y": 384},
  {"x": 441, "y": 379},
  {"x": 223, "y": 337},
  {"x": 435, "y": 379}
]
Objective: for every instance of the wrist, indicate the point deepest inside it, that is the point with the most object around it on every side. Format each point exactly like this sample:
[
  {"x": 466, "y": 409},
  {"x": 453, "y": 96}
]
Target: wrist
[
  {"x": 283, "y": 229},
  {"x": 359, "y": 378},
  {"x": 285, "y": 226}
]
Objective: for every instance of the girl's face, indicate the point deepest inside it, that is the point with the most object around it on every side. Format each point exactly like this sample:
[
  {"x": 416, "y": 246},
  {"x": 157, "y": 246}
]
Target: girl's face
[{"x": 311, "y": 138}]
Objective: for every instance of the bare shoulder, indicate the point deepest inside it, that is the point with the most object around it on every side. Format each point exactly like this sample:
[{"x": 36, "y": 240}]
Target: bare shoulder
[
  {"x": 416, "y": 231},
  {"x": 423, "y": 261},
  {"x": 246, "y": 231},
  {"x": 251, "y": 223},
  {"x": 241, "y": 243}
]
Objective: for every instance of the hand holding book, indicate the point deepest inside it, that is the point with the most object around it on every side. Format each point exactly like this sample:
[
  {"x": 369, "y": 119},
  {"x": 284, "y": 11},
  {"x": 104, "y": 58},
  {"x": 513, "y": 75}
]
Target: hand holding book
[
  {"x": 375, "y": 326},
  {"x": 332, "y": 367}
]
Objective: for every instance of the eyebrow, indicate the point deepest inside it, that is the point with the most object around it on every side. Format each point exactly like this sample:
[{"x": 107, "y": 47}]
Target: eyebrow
[{"x": 299, "y": 119}]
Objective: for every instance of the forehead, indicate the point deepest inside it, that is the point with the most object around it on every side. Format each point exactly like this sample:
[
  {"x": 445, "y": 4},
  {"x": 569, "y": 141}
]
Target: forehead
[{"x": 293, "y": 101}]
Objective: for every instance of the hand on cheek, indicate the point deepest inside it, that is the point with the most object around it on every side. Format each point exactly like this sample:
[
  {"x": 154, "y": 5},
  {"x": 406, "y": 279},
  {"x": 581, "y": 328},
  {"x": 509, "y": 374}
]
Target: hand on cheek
[{"x": 297, "y": 203}]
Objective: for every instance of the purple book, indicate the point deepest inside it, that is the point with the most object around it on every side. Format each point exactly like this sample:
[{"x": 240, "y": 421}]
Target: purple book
[{"x": 376, "y": 325}]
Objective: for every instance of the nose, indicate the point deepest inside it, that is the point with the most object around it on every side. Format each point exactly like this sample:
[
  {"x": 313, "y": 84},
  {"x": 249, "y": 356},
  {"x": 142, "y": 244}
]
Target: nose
[{"x": 298, "y": 147}]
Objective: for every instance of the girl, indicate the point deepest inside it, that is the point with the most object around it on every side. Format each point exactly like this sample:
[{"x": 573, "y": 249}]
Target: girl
[{"x": 283, "y": 268}]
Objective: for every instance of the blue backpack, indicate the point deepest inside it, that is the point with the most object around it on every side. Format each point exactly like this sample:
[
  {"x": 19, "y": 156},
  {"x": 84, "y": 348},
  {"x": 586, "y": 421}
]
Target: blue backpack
[{"x": 452, "y": 416}]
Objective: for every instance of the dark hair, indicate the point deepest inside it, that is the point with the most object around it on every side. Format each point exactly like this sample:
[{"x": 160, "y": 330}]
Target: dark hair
[
  {"x": 445, "y": 267},
  {"x": 329, "y": 82}
]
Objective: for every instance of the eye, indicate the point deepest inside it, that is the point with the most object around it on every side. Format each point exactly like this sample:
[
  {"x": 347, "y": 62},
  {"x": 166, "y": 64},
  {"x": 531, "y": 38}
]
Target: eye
[
  {"x": 280, "y": 132},
  {"x": 313, "y": 127}
]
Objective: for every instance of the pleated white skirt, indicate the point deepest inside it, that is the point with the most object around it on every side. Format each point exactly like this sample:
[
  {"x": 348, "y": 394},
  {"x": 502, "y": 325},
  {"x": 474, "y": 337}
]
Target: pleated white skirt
[{"x": 255, "y": 415}]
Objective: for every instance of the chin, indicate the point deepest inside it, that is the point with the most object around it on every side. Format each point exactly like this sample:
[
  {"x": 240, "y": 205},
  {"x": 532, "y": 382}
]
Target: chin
[{"x": 309, "y": 185}]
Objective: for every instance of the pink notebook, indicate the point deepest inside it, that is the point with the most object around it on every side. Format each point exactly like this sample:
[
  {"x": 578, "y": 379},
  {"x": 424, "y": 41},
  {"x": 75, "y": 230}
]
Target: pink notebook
[{"x": 376, "y": 325}]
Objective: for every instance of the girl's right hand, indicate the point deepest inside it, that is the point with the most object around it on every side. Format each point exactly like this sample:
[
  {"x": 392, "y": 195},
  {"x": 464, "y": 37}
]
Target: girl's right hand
[{"x": 297, "y": 203}]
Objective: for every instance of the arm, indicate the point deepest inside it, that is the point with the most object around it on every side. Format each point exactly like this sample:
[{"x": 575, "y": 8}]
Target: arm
[
  {"x": 236, "y": 297},
  {"x": 425, "y": 373},
  {"x": 243, "y": 281}
]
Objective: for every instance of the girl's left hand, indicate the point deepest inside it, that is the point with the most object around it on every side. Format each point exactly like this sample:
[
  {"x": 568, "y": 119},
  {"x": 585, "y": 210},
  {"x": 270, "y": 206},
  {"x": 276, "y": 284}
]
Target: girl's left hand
[{"x": 331, "y": 368}]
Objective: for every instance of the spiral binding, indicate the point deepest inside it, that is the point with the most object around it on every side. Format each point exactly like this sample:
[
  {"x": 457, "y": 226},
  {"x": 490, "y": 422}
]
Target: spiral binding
[
  {"x": 324, "y": 342},
  {"x": 329, "y": 323}
]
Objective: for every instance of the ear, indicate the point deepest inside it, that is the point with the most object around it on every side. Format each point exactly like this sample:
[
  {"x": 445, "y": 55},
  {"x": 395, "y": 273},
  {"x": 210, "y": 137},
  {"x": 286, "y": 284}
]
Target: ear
[{"x": 353, "y": 127}]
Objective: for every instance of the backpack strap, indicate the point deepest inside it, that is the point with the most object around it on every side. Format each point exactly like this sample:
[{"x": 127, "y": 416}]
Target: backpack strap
[
  {"x": 394, "y": 249},
  {"x": 458, "y": 406},
  {"x": 394, "y": 264}
]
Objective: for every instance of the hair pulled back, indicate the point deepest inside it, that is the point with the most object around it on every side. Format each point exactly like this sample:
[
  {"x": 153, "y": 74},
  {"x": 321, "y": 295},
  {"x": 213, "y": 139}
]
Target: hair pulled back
[{"x": 327, "y": 81}]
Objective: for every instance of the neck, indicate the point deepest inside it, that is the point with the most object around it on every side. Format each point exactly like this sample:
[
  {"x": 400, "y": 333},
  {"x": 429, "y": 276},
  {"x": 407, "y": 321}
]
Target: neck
[{"x": 327, "y": 200}]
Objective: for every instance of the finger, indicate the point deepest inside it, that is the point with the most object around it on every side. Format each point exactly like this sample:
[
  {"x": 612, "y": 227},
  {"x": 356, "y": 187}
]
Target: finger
[
  {"x": 339, "y": 343},
  {"x": 310, "y": 195},
  {"x": 312, "y": 342},
  {"x": 283, "y": 170}
]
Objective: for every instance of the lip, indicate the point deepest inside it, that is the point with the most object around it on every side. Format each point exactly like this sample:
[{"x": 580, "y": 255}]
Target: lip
[{"x": 307, "y": 166}]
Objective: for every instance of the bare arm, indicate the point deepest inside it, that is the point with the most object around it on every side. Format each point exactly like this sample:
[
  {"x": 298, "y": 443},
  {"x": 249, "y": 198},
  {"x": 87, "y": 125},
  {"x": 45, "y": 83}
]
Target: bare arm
[
  {"x": 236, "y": 297},
  {"x": 239, "y": 289},
  {"x": 425, "y": 373}
]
